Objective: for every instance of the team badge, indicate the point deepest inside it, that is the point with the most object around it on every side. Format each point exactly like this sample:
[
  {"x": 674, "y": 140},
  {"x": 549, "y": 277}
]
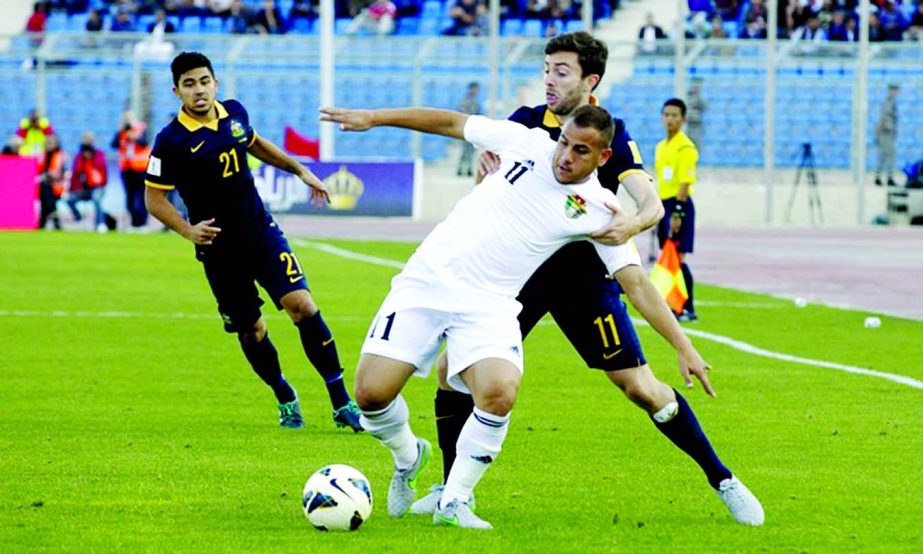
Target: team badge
[
  {"x": 237, "y": 130},
  {"x": 575, "y": 206}
]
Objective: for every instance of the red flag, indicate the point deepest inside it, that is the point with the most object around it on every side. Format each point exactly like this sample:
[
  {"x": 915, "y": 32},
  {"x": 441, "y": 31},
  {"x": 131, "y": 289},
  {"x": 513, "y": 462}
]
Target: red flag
[
  {"x": 299, "y": 145},
  {"x": 667, "y": 276}
]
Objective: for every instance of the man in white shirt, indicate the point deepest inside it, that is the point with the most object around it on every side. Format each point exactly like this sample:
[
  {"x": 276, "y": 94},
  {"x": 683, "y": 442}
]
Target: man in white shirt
[{"x": 461, "y": 283}]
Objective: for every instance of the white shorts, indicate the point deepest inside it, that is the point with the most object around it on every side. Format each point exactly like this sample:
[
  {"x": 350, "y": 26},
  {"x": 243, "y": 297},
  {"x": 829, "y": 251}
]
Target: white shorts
[{"x": 405, "y": 329}]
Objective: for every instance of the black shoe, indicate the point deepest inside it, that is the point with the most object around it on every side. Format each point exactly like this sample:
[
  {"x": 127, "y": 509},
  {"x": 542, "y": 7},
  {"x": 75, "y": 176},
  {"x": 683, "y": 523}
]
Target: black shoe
[
  {"x": 687, "y": 317},
  {"x": 891, "y": 182},
  {"x": 877, "y": 181}
]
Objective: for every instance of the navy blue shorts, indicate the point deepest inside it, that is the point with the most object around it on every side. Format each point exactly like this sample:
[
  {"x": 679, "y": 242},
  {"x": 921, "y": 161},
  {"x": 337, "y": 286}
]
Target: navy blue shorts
[
  {"x": 686, "y": 236},
  {"x": 573, "y": 287},
  {"x": 234, "y": 270}
]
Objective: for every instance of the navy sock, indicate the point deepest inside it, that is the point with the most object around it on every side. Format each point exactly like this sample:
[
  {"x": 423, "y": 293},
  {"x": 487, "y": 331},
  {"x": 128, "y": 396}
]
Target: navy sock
[
  {"x": 684, "y": 431},
  {"x": 452, "y": 411},
  {"x": 318, "y": 344},
  {"x": 264, "y": 360},
  {"x": 687, "y": 276}
]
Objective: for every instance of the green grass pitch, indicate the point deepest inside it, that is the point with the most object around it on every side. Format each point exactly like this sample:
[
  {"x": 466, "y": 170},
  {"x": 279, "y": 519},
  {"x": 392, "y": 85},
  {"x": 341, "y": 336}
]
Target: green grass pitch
[{"x": 129, "y": 421}]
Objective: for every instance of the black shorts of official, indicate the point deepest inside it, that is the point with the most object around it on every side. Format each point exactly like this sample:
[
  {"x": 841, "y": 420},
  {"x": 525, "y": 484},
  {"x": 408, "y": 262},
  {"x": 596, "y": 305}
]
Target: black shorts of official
[
  {"x": 234, "y": 270},
  {"x": 686, "y": 238},
  {"x": 589, "y": 311}
]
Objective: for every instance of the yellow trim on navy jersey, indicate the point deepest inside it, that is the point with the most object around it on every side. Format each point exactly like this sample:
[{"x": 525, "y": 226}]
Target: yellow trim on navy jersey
[
  {"x": 252, "y": 140},
  {"x": 158, "y": 185},
  {"x": 191, "y": 124},
  {"x": 628, "y": 172}
]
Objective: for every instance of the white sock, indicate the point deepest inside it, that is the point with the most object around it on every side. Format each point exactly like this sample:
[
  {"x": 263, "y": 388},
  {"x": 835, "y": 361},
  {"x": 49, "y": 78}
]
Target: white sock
[
  {"x": 390, "y": 426},
  {"x": 478, "y": 445}
]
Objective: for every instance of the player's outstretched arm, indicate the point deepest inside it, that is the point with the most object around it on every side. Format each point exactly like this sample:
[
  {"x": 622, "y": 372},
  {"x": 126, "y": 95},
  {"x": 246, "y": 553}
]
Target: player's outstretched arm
[
  {"x": 623, "y": 226},
  {"x": 273, "y": 155},
  {"x": 426, "y": 120},
  {"x": 653, "y": 308},
  {"x": 160, "y": 207}
]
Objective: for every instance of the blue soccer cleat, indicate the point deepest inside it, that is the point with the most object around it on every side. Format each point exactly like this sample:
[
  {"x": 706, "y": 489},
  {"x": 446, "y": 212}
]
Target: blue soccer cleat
[
  {"x": 348, "y": 415},
  {"x": 290, "y": 415}
]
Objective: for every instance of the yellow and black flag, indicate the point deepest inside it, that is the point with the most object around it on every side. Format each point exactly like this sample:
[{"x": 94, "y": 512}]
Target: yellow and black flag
[{"x": 667, "y": 277}]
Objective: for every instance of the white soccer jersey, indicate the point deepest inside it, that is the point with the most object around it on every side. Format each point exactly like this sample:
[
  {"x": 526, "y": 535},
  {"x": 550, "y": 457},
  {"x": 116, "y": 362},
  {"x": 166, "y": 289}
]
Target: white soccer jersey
[{"x": 498, "y": 235}]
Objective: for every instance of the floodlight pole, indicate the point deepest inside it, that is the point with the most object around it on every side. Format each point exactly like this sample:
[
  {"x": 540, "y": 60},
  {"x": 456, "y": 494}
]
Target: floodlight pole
[
  {"x": 679, "y": 55},
  {"x": 769, "y": 112},
  {"x": 327, "y": 54},
  {"x": 862, "y": 109}
]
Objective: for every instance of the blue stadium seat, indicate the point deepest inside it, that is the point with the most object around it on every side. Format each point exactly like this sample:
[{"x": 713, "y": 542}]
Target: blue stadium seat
[
  {"x": 190, "y": 25},
  {"x": 213, "y": 25},
  {"x": 532, "y": 28}
]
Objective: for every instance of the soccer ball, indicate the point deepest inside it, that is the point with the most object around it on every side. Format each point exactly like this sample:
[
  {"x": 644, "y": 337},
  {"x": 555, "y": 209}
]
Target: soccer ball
[{"x": 337, "y": 498}]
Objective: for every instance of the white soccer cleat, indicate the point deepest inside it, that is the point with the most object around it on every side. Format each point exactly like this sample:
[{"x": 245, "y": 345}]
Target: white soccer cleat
[
  {"x": 742, "y": 504},
  {"x": 458, "y": 514},
  {"x": 427, "y": 504},
  {"x": 404, "y": 482}
]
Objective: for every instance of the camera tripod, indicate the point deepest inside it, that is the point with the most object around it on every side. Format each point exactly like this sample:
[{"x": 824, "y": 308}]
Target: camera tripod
[{"x": 806, "y": 164}]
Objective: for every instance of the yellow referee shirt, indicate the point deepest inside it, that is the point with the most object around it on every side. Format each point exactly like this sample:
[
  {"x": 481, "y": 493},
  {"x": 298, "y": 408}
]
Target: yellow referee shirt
[{"x": 675, "y": 160}]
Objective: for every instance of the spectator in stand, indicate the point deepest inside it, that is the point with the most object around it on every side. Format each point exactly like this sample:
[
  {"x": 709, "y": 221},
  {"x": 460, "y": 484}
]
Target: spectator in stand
[
  {"x": 915, "y": 31},
  {"x": 377, "y": 18},
  {"x": 755, "y": 20},
  {"x": 892, "y": 21},
  {"x": 704, "y": 6},
  {"x": 268, "y": 21},
  {"x": 796, "y": 16},
  {"x": 123, "y": 22},
  {"x": 88, "y": 180},
  {"x": 239, "y": 18},
  {"x": 307, "y": 9},
  {"x": 464, "y": 16},
  {"x": 839, "y": 30},
  {"x": 39, "y": 18},
  {"x": 876, "y": 32},
  {"x": 161, "y": 24},
  {"x": 220, "y": 8},
  {"x": 727, "y": 9},
  {"x": 34, "y": 131},
  {"x": 94, "y": 21},
  {"x": 649, "y": 34},
  {"x": 825, "y": 13},
  {"x": 811, "y": 32},
  {"x": 133, "y": 157},
  {"x": 51, "y": 174},
  {"x": 717, "y": 28}
]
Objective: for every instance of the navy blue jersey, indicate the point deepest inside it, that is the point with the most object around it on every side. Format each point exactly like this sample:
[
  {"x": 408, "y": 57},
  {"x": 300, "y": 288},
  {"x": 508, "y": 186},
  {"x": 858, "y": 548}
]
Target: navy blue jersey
[
  {"x": 625, "y": 160},
  {"x": 207, "y": 164}
]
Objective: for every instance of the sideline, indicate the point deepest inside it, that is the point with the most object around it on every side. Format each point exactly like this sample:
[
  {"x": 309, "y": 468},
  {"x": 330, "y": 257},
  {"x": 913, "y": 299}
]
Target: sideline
[{"x": 727, "y": 341}]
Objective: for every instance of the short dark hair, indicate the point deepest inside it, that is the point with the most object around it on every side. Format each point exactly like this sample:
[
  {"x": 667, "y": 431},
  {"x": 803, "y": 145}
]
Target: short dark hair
[
  {"x": 592, "y": 53},
  {"x": 187, "y": 61},
  {"x": 675, "y": 102},
  {"x": 597, "y": 118}
]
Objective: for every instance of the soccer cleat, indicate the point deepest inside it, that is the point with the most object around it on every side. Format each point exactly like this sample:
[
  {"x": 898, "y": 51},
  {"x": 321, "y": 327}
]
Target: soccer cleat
[
  {"x": 347, "y": 415},
  {"x": 427, "y": 504},
  {"x": 742, "y": 504},
  {"x": 458, "y": 514},
  {"x": 290, "y": 415},
  {"x": 687, "y": 317},
  {"x": 404, "y": 481}
]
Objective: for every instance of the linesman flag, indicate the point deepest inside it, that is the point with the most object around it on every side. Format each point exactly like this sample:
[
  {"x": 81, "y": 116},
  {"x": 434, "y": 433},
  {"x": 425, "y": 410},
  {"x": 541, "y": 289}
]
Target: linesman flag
[{"x": 667, "y": 277}]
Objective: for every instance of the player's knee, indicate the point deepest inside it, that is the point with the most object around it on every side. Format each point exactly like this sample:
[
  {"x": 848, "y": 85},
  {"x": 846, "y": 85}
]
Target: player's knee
[
  {"x": 650, "y": 395},
  {"x": 254, "y": 333},
  {"x": 499, "y": 397},
  {"x": 300, "y": 308},
  {"x": 370, "y": 398}
]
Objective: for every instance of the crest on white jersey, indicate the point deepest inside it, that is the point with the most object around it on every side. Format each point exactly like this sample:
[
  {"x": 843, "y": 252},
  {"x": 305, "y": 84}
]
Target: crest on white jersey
[{"x": 575, "y": 206}]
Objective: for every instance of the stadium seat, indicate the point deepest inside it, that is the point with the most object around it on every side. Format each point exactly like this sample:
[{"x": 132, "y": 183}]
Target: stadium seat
[{"x": 190, "y": 25}]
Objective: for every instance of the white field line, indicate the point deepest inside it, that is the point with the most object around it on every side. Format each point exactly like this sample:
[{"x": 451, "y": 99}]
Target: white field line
[{"x": 727, "y": 341}]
